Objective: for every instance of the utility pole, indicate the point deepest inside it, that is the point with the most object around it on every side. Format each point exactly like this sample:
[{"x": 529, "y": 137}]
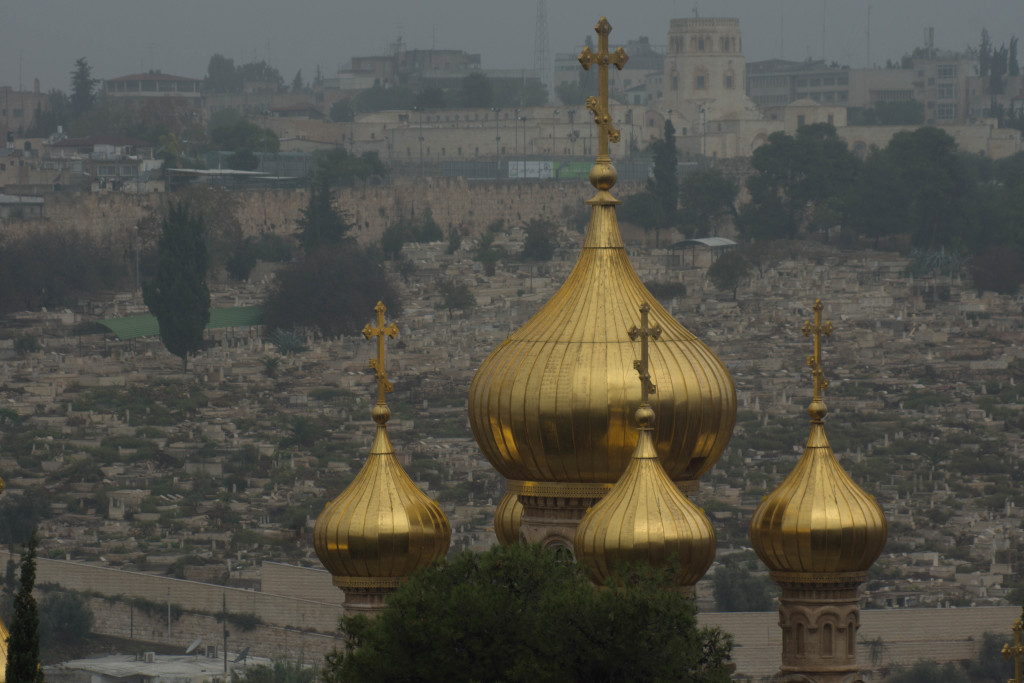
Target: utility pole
[{"x": 224, "y": 620}]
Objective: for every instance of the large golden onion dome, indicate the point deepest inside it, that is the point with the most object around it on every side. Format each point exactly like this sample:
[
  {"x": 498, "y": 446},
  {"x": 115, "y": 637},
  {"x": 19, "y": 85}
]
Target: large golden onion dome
[
  {"x": 818, "y": 520},
  {"x": 382, "y": 527},
  {"x": 645, "y": 518},
  {"x": 551, "y": 403},
  {"x": 4, "y": 636}
]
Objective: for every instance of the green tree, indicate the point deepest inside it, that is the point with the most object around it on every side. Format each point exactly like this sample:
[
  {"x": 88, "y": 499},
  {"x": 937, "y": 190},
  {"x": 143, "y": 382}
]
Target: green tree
[
  {"x": 320, "y": 223},
  {"x": 455, "y": 296},
  {"x": 487, "y": 253},
  {"x": 19, "y": 516},
  {"x": 935, "y": 184},
  {"x": 664, "y": 185},
  {"x": 221, "y": 75},
  {"x": 520, "y": 613},
  {"x": 278, "y": 671},
  {"x": 794, "y": 176},
  {"x": 539, "y": 244},
  {"x": 736, "y": 589},
  {"x": 476, "y": 91},
  {"x": 706, "y": 197},
  {"x": 331, "y": 289},
  {"x": 298, "y": 85},
  {"x": 23, "y": 663},
  {"x": 998, "y": 269},
  {"x": 341, "y": 111},
  {"x": 65, "y": 618},
  {"x": 242, "y": 134},
  {"x": 729, "y": 271},
  {"x": 177, "y": 295},
  {"x": 338, "y": 167},
  {"x": 45, "y": 120},
  {"x": 83, "y": 88}
]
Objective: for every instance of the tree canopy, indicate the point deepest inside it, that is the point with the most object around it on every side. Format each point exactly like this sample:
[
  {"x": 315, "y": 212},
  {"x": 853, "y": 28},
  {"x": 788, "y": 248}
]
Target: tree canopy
[
  {"x": 83, "y": 88},
  {"x": 332, "y": 289},
  {"x": 177, "y": 295},
  {"x": 520, "y": 613},
  {"x": 706, "y": 197},
  {"x": 23, "y": 663}
]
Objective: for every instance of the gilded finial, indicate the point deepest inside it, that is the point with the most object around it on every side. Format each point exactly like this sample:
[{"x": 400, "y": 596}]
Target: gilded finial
[
  {"x": 599, "y": 105},
  {"x": 645, "y": 332},
  {"x": 378, "y": 364},
  {"x": 814, "y": 361},
  {"x": 1015, "y": 652}
]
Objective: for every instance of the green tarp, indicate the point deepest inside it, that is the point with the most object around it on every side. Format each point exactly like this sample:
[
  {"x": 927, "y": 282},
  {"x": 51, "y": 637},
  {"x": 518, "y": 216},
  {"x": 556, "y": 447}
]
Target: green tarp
[{"x": 137, "y": 326}]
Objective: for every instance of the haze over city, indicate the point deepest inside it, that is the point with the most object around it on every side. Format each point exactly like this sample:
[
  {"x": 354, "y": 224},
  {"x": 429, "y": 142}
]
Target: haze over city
[{"x": 42, "y": 39}]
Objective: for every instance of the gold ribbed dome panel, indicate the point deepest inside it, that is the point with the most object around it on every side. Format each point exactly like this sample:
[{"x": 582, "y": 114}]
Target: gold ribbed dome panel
[
  {"x": 552, "y": 402},
  {"x": 818, "y": 519},
  {"x": 645, "y": 518},
  {"x": 4, "y": 635},
  {"x": 507, "y": 518},
  {"x": 382, "y": 525}
]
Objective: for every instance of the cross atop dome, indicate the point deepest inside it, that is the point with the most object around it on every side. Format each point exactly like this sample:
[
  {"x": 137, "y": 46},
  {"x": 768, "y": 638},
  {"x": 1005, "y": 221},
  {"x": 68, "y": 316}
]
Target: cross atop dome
[{"x": 599, "y": 104}]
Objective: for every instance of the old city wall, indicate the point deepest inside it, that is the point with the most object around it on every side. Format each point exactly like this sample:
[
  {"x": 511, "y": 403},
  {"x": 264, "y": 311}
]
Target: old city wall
[
  {"x": 191, "y": 596},
  {"x": 148, "y": 624},
  {"x": 454, "y": 202}
]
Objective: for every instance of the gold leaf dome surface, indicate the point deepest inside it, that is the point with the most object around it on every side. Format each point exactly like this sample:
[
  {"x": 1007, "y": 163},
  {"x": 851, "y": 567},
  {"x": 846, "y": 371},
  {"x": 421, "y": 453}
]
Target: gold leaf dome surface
[
  {"x": 645, "y": 518},
  {"x": 818, "y": 520},
  {"x": 382, "y": 525},
  {"x": 551, "y": 403}
]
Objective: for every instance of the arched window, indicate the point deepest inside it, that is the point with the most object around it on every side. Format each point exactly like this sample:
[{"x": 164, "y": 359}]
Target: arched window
[
  {"x": 801, "y": 647},
  {"x": 729, "y": 80},
  {"x": 827, "y": 640}
]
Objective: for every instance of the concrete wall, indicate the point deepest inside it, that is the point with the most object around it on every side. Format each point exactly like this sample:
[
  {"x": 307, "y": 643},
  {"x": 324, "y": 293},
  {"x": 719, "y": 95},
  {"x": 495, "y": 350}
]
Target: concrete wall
[
  {"x": 276, "y": 610},
  {"x": 118, "y": 617},
  {"x": 453, "y": 202}
]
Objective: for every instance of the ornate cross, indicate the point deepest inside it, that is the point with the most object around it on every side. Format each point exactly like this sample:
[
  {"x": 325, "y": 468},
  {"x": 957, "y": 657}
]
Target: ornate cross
[
  {"x": 599, "y": 104},
  {"x": 381, "y": 331},
  {"x": 1016, "y": 651},
  {"x": 814, "y": 362},
  {"x": 645, "y": 333}
]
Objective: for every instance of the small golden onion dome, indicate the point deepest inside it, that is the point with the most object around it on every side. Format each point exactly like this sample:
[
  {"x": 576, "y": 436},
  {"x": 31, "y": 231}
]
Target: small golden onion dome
[
  {"x": 552, "y": 402},
  {"x": 645, "y": 518},
  {"x": 818, "y": 520},
  {"x": 507, "y": 518},
  {"x": 382, "y": 526},
  {"x": 4, "y": 635}
]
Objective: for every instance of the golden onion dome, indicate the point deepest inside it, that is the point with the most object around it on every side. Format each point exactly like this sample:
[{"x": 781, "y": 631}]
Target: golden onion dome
[
  {"x": 4, "y": 636},
  {"x": 550, "y": 404},
  {"x": 507, "y": 517},
  {"x": 818, "y": 520},
  {"x": 645, "y": 518},
  {"x": 382, "y": 527}
]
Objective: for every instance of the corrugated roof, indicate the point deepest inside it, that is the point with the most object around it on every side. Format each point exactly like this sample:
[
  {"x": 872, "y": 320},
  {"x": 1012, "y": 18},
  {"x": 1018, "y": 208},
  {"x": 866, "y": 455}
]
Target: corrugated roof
[
  {"x": 136, "y": 326},
  {"x": 706, "y": 241}
]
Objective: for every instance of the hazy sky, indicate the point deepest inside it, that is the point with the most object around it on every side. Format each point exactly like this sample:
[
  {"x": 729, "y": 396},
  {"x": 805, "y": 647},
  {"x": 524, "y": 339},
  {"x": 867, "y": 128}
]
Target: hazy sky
[{"x": 42, "y": 38}]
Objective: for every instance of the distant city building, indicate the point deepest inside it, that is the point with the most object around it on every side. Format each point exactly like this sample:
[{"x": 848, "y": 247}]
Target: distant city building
[{"x": 152, "y": 84}]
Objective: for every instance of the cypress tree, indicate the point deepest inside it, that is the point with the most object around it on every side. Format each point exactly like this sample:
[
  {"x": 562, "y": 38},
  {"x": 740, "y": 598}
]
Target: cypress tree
[
  {"x": 178, "y": 295},
  {"x": 23, "y": 644}
]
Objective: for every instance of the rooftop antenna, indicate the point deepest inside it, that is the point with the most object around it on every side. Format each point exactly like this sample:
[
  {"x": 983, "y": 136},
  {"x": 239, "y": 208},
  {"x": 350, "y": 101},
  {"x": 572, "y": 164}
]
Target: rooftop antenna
[
  {"x": 541, "y": 48},
  {"x": 782, "y": 29},
  {"x": 869, "y": 36},
  {"x": 696, "y": 13},
  {"x": 823, "y": 24}
]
